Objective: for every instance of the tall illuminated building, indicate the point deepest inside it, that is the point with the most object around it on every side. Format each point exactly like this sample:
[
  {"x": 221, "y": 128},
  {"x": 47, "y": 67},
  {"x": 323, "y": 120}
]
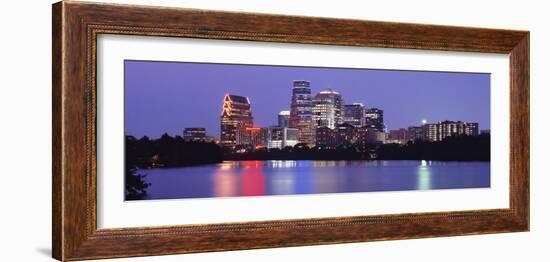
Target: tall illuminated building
[
  {"x": 235, "y": 118},
  {"x": 327, "y": 109},
  {"x": 374, "y": 118},
  {"x": 354, "y": 114},
  {"x": 301, "y": 112}
]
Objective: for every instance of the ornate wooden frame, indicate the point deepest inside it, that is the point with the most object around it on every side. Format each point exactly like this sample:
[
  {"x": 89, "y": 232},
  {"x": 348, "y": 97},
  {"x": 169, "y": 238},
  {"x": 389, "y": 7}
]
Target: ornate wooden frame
[{"x": 76, "y": 26}]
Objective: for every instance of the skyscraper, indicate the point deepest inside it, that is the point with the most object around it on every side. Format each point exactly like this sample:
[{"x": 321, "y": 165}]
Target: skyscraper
[
  {"x": 374, "y": 118},
  {"x": 354, "y": 114},
  {"x": 235, "y": 117},
  {"x": 327, "y": 109},
  {"x": 300, "y": 111},
  {"x": 283, "y": 118}
]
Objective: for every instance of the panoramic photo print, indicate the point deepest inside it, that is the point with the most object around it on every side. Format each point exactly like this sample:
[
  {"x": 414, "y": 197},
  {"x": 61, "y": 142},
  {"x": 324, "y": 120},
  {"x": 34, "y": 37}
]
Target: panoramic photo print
[{"x": 204, "y": 130}]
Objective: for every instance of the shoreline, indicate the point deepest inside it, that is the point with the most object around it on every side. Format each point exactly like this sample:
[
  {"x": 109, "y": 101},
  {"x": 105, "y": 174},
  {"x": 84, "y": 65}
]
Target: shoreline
[{"x": 326, "y": 160}]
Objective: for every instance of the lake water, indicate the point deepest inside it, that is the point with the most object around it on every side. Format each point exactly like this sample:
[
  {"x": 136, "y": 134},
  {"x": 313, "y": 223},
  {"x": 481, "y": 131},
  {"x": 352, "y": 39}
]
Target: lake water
[{"x": 258, "y": 178}]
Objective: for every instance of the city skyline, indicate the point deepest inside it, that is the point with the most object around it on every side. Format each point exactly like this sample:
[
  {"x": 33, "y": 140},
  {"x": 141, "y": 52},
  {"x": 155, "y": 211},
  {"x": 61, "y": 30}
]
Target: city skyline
[{"x": 152, "y": 90}]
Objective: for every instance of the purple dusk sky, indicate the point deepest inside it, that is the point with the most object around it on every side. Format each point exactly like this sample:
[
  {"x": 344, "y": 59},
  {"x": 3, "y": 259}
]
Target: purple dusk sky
[{"x": 166, "y": 97}]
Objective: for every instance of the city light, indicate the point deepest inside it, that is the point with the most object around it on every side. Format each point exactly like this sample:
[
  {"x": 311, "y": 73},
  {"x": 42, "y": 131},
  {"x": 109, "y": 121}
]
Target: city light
[{"x": 320, "y": 120}]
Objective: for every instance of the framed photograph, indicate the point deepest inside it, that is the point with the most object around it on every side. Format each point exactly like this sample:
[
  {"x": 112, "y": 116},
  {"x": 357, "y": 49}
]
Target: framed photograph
[{"x": 182, "y": 130}]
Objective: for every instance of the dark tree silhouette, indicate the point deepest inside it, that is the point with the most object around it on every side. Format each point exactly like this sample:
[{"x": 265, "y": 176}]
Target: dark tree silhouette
[
  {"x": 454, "y": 148},
  {"x": 170, "y": 151},
  {"x": 136, "y": 187}
]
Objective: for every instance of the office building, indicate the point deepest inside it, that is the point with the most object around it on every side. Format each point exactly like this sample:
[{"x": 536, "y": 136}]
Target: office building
[
  {"x": 374, "y": 118},
  {"x": 361, "y": 135},
  {"x": 375, "y": 136},
  {"x": 325, "y": 137},
  {"x": 442, "y": 130},
  {"x": 256, "y": 137},
  {"x": 283, "y": 118},
  {"x": 332, "y": 138},
  {"x": 235, "y": 117},
  {"x": 354, "y": 114},
  {"x": 327, "y": 109},
  {"x": 415, "y": 133},
  {"x": 398, "y": 136},
  {"x": 345, "y": 134},
  {"x": 301, "y": 112},
  {"x": 472, "y": 129},
  {"x": 281, "y": 137}
]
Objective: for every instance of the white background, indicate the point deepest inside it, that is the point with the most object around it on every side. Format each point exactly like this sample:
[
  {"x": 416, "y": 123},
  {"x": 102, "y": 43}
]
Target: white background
[{"x": 25, "y": 147}]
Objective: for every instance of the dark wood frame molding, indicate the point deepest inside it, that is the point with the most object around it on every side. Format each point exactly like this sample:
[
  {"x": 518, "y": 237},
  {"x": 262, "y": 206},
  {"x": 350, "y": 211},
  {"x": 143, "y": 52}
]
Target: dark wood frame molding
[{"x": 76, "y": 26}]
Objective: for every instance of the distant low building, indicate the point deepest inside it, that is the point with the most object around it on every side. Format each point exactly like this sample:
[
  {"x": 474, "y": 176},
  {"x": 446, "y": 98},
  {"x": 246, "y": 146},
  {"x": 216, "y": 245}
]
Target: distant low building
[
  {"x": 348, "y": 134},
  {"x": 398, "y": 136},
  {"x": 375, "y": 136},
  {"x": 252, "y": 136},
  {"x": 281, "y": 137},
  {"x": 415, "y": 133},
  {"x": 325, "y": 136},
  {"x": 345, "y": 134},
  {"x": 211, "y": 139},
  {"x": 194, "y": 134},
  {"x": 442, "y": 130},
  {"x": 361, "y": 135}
]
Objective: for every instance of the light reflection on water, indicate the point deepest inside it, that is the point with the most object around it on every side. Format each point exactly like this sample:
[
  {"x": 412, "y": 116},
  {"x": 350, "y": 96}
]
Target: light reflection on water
[
  {"x": 424, "y": 176},
  {"x": 281, "y": 184},
  {"x": 257, "y": 178},
  {"x": 225, "y": 184}
]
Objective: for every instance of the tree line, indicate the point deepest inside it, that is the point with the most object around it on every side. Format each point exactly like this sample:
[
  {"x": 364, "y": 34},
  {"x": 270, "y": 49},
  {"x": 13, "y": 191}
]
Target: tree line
[
  {"x": 170, "y": 151},
  {"x": 455, "y": 148}
]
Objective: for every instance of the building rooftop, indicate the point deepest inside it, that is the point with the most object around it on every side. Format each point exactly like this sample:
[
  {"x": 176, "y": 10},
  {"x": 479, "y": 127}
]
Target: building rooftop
[
  {"x": 329, "y": 92},
  {"x": 238, "y": 99},
  {"x": 301, "y": 83}
]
